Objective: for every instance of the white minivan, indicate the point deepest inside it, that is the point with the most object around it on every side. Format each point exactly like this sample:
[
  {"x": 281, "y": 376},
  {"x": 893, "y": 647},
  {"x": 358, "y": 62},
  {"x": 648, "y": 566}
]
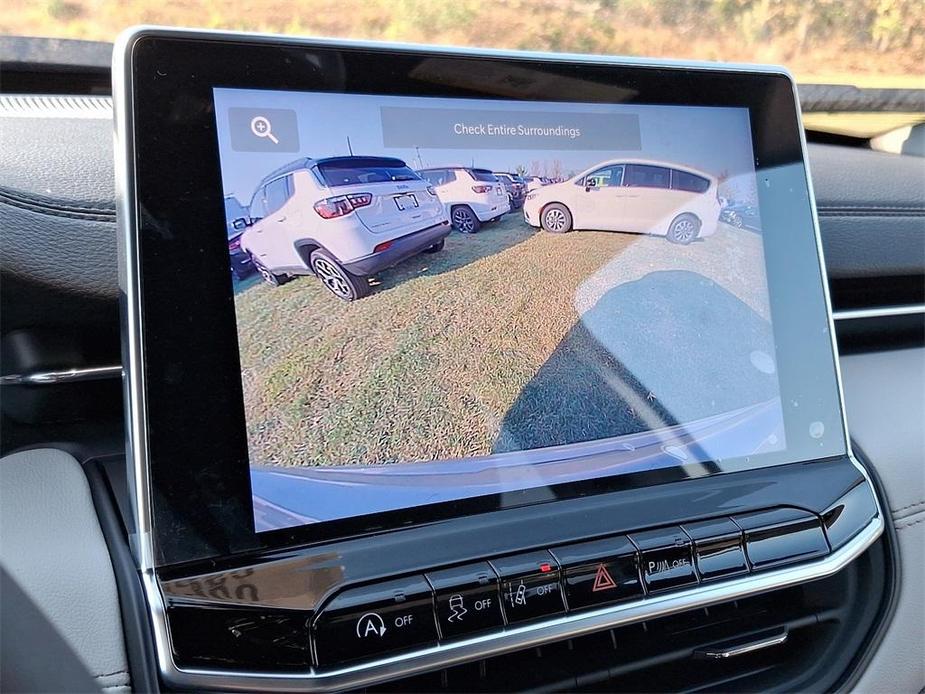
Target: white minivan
[
  {"x": 634, "y": 195},
  {"x": 471, "y": 196},
  {"x": 341, "y": 219}
]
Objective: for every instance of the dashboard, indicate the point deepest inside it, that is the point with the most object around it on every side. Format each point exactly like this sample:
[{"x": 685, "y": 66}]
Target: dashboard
[{"x": 746, "y": 546}]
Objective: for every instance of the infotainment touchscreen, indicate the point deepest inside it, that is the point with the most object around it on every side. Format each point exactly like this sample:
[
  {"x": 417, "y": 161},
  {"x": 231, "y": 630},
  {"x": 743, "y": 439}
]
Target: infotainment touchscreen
[{"x": 445, "y": 298}]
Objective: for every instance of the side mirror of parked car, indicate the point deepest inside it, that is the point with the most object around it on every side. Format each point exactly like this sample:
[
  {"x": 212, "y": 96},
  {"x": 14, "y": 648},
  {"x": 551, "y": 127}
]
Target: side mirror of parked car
[
  {"x": 590, "y": 183},
  {"x": 240, "y": 223}
]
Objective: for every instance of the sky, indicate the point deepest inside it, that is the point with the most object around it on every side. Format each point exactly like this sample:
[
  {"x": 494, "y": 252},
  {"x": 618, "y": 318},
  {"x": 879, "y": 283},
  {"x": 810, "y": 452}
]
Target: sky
[{"x": 714, "y": 139}]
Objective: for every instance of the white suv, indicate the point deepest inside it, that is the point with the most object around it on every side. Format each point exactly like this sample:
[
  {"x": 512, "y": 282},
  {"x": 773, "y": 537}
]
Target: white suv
[
  {"x": 471, "y": 196},
  {"x": 635, "y": 195},
  {"x": 341, "y": 219}
]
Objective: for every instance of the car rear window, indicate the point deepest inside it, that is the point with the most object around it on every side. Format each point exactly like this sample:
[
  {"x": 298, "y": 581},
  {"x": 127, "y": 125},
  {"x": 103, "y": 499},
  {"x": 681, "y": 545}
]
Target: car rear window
[
  {"x": 483, "y": 175},
  {"x": 358, "y": 171},
  {"x": 682, "y": 180}
]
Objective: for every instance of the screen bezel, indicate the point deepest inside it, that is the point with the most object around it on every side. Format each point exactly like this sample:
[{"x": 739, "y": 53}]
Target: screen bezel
[{"x": 193, "y": 432}]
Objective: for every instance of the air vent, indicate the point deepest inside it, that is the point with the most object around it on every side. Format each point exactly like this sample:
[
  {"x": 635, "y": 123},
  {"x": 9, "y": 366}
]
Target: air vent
[{"x": 798, "y": 638}]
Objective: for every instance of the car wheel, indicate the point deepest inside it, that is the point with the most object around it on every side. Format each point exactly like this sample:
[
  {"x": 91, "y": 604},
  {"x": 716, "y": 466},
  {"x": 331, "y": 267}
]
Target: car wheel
[
  {"x": 684, "y": 229},
  {"x": 464, "y": 220},
  {"x": 556, "y": 218},
  {"x": 269, "y": 277},
  {"x": 336, "y": 279},
  {"x": 437, "y": 247}
]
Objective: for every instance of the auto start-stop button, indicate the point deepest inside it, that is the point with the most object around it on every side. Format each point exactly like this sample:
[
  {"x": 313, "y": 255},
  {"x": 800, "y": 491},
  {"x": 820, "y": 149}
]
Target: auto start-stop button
[
  {"x": 372, "y": 620},
  {"x": 665, "y": 558}
]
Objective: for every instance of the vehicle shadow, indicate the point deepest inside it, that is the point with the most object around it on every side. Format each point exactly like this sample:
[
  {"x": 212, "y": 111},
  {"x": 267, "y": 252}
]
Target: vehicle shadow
[
  {"x": 460, "y": 250},
  {"x": 669, "y": 348}
]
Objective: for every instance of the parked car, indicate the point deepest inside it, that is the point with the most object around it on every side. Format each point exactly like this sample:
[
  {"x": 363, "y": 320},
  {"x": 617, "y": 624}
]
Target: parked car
[
  {"x": 633, "y": 195},
  {"x": 236, "y": 217},
  {"x": 533, "y": 182},
  {"x": 471, "y": 196},
  {"x": 515, "y": 186},
  {"x": 741, "y": 216},
  {"x": 341, "y": 219}
]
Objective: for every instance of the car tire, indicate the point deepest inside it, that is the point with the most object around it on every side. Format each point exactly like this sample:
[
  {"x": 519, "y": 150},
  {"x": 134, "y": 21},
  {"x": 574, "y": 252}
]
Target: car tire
[
  {"x": 556, "y": 218},
  {"x": 683, "y": 229},
  {"x": 341, "y": 283},
  {"x": 437, "y": 247},
  {"x": 269, "y": 277},
  {"x": 464, "y": 219}
]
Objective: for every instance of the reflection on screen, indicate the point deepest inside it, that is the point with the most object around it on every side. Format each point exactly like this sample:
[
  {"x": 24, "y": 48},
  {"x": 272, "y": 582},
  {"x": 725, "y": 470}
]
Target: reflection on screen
[{"x": 439, "y": 299}]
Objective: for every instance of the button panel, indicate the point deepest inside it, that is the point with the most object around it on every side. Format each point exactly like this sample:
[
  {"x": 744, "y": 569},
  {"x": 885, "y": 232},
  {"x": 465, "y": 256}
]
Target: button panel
[
  {"x": 665, "y": 558},
  {"x": 453, "y": 603},
  {"x": 466, "y": 600},
  {"x": 529, "y": 586}
]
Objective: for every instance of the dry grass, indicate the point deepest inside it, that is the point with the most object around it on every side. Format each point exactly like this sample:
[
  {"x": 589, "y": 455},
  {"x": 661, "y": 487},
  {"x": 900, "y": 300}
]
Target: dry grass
[
  {"x": 446, "y": 343},
  {"x": 743, "y": 31}
]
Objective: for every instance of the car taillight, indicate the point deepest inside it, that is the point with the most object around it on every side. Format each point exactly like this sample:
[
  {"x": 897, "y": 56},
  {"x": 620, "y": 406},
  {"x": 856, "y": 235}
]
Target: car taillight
[
  {"x": 329, "y": 208},
  {"x": 481, "y": 189},
  {"x": 234, "y": 244}
]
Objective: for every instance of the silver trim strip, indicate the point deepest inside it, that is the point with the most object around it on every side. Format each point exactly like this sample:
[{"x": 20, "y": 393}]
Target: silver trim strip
[
  {"x": 439, "y": 656},
  {"x": 53, "y": 106},
  {"x": 879, "y": 312},
  {"x": 511, "y": 639},
  {"x": 52, "y": 378},
  {"x": 742, "y": 649}
]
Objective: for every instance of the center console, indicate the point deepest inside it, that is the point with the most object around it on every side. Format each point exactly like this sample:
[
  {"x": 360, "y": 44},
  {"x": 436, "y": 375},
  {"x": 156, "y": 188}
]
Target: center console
[{"x": 436, "y": 356}]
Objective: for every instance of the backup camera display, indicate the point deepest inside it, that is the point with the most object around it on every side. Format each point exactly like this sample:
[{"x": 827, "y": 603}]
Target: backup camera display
[{"x": 440, "y": 299}]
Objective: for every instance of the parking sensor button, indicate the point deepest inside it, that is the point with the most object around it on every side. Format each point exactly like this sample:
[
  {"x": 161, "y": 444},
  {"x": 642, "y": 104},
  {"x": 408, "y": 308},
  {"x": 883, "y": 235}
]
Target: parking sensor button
[{"x": 665, "y": 558}]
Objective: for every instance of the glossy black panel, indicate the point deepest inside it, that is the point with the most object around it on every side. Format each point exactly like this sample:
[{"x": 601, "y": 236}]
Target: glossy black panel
[
  {"x": 268, "y": 578},
  {"x": 240, "y": 638},
  {"x": 783, "y": 536},
  {"x": 196, "y": 433},
  {"x": 845, "y": 517}
]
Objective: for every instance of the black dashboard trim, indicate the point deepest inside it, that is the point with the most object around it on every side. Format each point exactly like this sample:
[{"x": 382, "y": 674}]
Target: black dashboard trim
[{"x": 133, "y": 605}]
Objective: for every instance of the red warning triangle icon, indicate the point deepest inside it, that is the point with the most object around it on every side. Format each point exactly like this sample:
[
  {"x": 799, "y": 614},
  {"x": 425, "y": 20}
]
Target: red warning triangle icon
[{"x": 603, "y": 580}]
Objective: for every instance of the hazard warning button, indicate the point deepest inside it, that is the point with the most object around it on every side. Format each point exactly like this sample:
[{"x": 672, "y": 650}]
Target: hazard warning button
[{"x": 599, "y": 572}]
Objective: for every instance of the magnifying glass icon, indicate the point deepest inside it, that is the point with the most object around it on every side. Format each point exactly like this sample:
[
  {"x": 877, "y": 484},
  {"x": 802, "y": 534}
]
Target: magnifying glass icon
[{"x": 260, "y": 126}]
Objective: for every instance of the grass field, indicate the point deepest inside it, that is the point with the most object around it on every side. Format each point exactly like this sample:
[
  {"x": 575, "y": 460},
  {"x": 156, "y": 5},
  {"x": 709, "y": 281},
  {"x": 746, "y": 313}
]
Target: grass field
[{"x": 446, "y": 343}]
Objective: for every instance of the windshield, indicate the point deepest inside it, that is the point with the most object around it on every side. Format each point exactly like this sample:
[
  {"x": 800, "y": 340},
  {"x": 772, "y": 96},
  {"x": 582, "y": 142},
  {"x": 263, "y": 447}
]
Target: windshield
[{"x": 870, "y": 44}]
